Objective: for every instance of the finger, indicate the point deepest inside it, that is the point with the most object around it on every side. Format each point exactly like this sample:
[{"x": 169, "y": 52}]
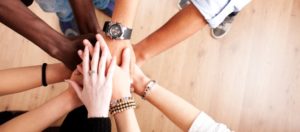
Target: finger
[
  {"x": 86, "y": 61},
  {"x": 76, "y": 87},
  {"x": 88, "y": 44},
  {"x": 111, "y": 70},
  {"x": 79, "y": 68},
  {"x": 80, "y": 54},
  {"x": 103, "y": 60},
  {"x": 126, "y": 59},
  {"x": 95, "y": 59},
  {"x": 102, "y": 42}
]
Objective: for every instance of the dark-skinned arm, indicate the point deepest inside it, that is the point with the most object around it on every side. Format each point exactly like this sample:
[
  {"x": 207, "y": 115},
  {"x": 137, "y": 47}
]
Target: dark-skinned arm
[
  {"x": 85, "y": 16},
  {"x": 15, "y": 15}
]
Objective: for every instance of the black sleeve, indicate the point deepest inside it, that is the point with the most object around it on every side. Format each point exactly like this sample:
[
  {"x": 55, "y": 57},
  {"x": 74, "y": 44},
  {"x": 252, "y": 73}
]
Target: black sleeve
[
  {"x": 98, "y": 125},
  {"x": 27, "y": 2}
]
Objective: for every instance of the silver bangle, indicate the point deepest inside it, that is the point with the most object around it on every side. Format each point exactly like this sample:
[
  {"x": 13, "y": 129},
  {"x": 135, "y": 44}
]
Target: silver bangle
[{"x": 149, "y": 87}]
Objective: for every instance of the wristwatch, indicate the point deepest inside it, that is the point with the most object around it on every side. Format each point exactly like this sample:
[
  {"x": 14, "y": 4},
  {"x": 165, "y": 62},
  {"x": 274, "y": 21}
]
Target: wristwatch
[{"x": 117, "y": 30}]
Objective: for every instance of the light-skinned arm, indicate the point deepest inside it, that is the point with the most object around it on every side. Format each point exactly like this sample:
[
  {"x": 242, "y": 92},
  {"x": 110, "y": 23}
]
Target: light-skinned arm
[
  {"x": 124, "y": 13},
  {"x": 42, "y": 117},
  {"x": 179, "y": 111},
  {"x": 126, "y": 121},
  {"x": 185, "y": 23},
  {"x": 21, "y": 79}
]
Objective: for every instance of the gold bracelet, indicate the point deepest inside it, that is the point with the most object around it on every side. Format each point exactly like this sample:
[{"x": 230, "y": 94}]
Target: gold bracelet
[
  {"x": 149, "y": 87},
  {"x": 122, "y": 104}
]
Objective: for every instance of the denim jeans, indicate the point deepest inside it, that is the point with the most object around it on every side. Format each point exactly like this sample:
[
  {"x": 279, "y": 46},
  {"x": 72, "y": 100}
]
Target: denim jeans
[{"x": 63, "y": 9}]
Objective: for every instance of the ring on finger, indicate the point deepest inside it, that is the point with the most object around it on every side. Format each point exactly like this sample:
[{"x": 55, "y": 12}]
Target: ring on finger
[{"x": 92, "y": 72}]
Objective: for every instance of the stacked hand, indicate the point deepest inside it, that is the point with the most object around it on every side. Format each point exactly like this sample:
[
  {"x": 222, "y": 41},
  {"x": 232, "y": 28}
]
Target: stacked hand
[
  {"x": 67, "y": 52},
  {"x": 101, "y": 82}
]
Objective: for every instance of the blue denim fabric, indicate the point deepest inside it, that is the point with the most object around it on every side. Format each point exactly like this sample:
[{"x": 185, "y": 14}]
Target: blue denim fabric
[{"x": 63, "y": 10}]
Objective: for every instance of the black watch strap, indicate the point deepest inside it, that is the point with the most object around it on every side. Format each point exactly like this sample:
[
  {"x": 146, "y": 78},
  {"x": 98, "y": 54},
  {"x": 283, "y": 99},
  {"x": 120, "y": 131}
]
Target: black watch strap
[
  {"x": 127, "y": 33},
  {"x": 106, "y": 26}
]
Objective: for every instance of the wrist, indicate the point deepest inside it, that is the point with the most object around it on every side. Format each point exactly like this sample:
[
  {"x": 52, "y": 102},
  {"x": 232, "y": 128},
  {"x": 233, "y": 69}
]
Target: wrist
[
  {"x": 102, "y": 112},
  {"x": 139, "y": 55},
  {"x": 140, "y": 84},
  {"x": 55, "y": 46},
  {"x": 71, "y": 100},
  {"x": 119, "y": 95}
]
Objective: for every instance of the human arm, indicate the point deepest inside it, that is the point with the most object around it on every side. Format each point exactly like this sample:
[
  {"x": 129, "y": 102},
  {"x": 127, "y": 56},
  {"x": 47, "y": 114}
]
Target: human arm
[
  {"x": 43, "y": 116},
  {"x": 174, "y": 107},
  {"x": 21, "y": 79},
  {"x": 126, "y": 121},
  {"x": 185, "y": 23},
  {"x": 85, "y": 16},
  {"x": 180, "y": 112},
  {"x": 15, "y": 15},
  {"x": 124, "y": 13}
]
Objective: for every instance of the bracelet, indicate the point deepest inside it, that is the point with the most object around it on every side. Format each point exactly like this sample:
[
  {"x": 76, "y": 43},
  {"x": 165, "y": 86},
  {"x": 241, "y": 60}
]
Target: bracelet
[
  {"x": 122, "y": 104},
  {"x": 149, "y": 87},
  {"x": 44, "y": 80},
  {"x": 124, "y": 99}
]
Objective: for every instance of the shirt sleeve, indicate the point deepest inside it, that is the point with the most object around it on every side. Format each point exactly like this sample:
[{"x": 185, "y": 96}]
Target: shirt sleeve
[
  {"x": 98, "y": 125},
  {"x": 204, "y": 123}
]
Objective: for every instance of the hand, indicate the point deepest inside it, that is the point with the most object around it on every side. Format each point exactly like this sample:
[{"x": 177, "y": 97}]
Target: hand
[
  {"x": 117, "y": 46},
  {"x": 97, "y": 86},
  {"x": 121, "y": 81},
  {"x": 67, "y": 52}
]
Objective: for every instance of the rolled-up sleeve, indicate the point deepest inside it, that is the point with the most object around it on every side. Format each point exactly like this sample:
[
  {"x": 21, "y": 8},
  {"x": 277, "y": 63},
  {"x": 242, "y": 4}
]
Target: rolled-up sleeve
[
  {"x": 215, "y": 11},
  {"x": 204, "y": 123}
]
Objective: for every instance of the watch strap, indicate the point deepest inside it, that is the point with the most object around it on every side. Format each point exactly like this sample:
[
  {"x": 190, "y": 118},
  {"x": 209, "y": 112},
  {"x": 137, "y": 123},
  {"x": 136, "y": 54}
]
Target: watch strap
[
  {"x": 127, "y": 33},
  {"x": 106, "y": 26}
]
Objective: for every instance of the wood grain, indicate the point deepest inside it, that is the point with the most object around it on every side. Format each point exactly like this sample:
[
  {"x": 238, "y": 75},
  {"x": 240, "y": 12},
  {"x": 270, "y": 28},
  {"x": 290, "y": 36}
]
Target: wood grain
[{"x": 249, "y": 80}]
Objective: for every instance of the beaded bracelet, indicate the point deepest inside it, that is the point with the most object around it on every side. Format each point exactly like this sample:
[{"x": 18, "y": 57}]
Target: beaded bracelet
[
  {"x": 122, "y": 104},
  {"x": 149, "y": 87}
]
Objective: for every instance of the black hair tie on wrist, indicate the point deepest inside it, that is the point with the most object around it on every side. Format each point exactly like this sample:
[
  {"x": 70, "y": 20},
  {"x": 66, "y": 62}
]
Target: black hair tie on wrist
[{"x": 44, "y": 80}]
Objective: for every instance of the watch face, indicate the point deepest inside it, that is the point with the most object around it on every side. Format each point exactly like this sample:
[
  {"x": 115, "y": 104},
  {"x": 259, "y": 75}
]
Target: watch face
[{"x": 115, "y": 31}]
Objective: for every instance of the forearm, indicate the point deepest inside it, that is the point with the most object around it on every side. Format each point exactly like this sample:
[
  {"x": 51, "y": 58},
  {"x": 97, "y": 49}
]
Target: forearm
[
  {"x": 124, "y": 13},
  {"x": 18, "y": 17},
  {"x": 85, "y": 16},
  {"x": 185, "y": 23},
  {"x": 126, "y": 121},
  {"x": 43, "y": 116},
  {"x": 175, "y": 108},
  {"x": 25, "y": 78}
]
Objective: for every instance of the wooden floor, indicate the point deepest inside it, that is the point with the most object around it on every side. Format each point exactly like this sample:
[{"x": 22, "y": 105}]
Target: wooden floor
[{"x": 249, "y": 80}]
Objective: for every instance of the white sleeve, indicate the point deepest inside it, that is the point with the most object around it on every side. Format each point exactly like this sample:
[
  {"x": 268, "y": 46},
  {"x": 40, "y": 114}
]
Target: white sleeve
[{"x": 204, "y": 123}]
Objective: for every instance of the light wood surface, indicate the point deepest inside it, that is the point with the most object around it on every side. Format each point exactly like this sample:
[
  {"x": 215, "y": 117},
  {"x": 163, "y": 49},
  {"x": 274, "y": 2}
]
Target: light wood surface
[{"x": 249, "y": 80}]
